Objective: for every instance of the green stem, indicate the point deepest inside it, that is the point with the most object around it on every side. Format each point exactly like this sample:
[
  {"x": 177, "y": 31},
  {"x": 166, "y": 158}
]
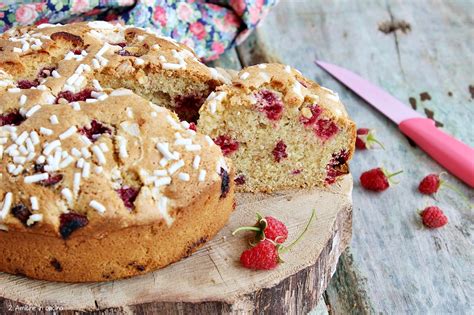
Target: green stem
[
  {"x": 371, "y": 138},
  {"x": 394, "y": 174},
  {"x": 246, "y": 228},
  {"x": 287, "y": 248}
]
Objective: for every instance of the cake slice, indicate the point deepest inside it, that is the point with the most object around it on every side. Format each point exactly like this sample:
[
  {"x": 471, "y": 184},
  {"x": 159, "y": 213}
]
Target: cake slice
[
  {"x": 281, "y": 129},
  {"x": 155, "y": 67}
]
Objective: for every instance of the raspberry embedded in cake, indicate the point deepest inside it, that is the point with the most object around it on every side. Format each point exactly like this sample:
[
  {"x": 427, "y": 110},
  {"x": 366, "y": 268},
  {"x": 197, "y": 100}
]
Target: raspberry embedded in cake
[
  {"x": 240, "y": 179},
  {"x": 27, "y": 84},
  {"x": 13, "y": 118},
  {"x": 95, "y": 131},
  {"x": 52, "y": 180},
  {"x": 128, "y": 195},
  {"x": 325, "y": 128},
  {"x": 279, "y": 152},
  {"x": 309, "y": 118},
  {"x": 21, "y": 212},
  {"x": 46, "y": 72},
  {"x": 225, "y": 184},
  {"x": 70, "y": 222},
  {"x": 270, "y": 104},
  {"x": 227, "y": 144},
  {"x": 75, "y": 97},
  {"x": 334, "y": 168}
]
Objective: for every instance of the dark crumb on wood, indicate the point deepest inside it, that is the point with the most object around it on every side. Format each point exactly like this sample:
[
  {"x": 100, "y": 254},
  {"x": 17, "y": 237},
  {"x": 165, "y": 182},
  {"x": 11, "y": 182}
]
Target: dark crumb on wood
[
  {"x": 425, "y": 96},
  {"x": 451, "y": 93},
  {"x": 471, "y": 90},
  {"x": 430, "y": 114},
  {"x": 412, "y": 101},
  {"x": 388, "y": 27}
]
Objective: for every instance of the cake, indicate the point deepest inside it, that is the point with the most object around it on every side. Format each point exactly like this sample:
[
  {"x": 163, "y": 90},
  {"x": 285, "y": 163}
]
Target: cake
[
  {"x": 281, "y": 129},
  {"x": 97, "y": 182},
  {"x": 155, "y": 67}
]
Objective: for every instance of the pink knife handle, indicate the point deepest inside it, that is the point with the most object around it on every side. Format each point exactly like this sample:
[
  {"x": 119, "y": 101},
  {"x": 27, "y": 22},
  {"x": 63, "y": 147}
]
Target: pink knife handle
[{"x": 455, "y": 156}]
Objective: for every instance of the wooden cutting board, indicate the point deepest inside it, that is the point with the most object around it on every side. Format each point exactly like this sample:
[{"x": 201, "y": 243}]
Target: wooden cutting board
[{"x": 212, "y": 280}]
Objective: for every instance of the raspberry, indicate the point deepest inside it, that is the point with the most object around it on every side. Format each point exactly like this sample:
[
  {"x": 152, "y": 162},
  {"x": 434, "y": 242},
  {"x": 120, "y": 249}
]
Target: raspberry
[
  {"x": 227, "y": 144},
  {"x": 128, "y": 195},
  {"x": 270, "y": 104},
  {"x": 27, "y": 84},
  {"x": 315, "y": 112},
  {"x": 264, "y": 256},
  {"x": 430, "y": 184},
  {"x": 46, "y": 72},
  {"x": 295, "y": 172},
  {"x": 267, "y": 228},
  {"x": 69, "y": 222},
  {"x": 225, "y": 184},
  {"x": 334, "y": 167},
  {"x": 240, "y": 179},
  {"x": 97, "y": 128},
  {"x": 325, "y": 128},
  {"x": 75, "y": 97},
  {"x": 376, "y": 179},
  {"x": 53, "y": 179},
  {"x": 366, "y": 138},
  {"x": 192, "y": 126},
  {"x": 279, "y": 152},
  {"x": 433, "y": 217},
  {"x": 124, "y": 53},
  {"x": 21, "y": 212},
  {"x": 13, "y": 118}
]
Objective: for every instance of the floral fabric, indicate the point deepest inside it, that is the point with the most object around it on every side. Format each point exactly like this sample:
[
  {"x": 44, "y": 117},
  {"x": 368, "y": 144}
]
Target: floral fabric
[{"x": 209, "y": 27}]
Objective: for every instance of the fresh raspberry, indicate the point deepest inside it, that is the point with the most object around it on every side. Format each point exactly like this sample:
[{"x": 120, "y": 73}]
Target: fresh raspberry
[
  {"x": 128, "y": 195},
  {"x": 279, "y": 152},
  {"x": 270, "y": 104},
  {"x": 275, "y": 230},
  {"x": 97, "y": 128},
  {"x": 75, "y": 97},
  {"x": 12, "y": 118},
  {"x": 433, "y": 217},
  {"x": 267, "y": 228},
  {"x": 27, "y": 84},
  {"x": 225, "y": 184},
  {"x": 264, "y": 256},
  {"x": 227, "y": 144},
  {"x": 325, "y": 128},
  {"x": 376, "y": 179},
  {"x": 240, "y": 179},
  {"x": 430, "y": 184},
  {"x": 69, "y": 222},
  {"x": 366, "y": 138},
  {"x": 21, "y": 212}
]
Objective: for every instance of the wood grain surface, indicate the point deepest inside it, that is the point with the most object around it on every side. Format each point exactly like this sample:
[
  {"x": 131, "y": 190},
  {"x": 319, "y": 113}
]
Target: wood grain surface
[
  {"x": 394, "y": 265},
  {"x": 212, "y": 280}
]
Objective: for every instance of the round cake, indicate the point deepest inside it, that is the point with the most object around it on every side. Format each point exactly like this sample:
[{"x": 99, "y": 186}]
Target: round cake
[
  {"x": 96, "y": 182},
  {"x": 281, "y": 129}
]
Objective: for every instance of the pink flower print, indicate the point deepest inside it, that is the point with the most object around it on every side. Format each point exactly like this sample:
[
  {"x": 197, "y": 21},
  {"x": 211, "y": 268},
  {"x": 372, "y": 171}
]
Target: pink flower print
[
  {"x": 184, "y": 11},
  {"x": 198, "y": 29},
  {"x": 26, "y": 14},
  {"x": 217, "y": 48},
  {"x": 254, "y": 13},
  {"x": 80, "y": 6},
  {"x": 160, "y": 15},
  {"x": 231, "y": 19}
]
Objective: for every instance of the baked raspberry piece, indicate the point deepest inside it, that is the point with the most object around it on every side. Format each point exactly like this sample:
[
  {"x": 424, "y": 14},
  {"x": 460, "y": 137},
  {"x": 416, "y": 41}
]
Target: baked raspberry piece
[
  {"x": 227, "y": 144},
  {"x": 240, "y": 179},
  {"x": 13, "y": 118},
  {"x": 97, "y": 128},
  {"x": 225, "y": 184},
  {"x": 75, "y": 97},
  {"x": 27, "y": 84},
  {"x": 128, "y": 195},
  {"x": 279, "y": 152},
  {"x": 315, "y": 112},
  {"x": 52, "y": 180},
  {"x": 69, "y": 222},
  {"x": 270, "y": 104},
  {"x": 334, "y": 168},
  {"x": 325, "y": 128},
  {"x": 46, "y": 72},
  {"x": 21, "y": 212}
]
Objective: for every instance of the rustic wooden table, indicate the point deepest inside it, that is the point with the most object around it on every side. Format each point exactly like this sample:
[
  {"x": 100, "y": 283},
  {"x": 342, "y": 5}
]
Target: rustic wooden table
[{"x": 393, "y": 265}]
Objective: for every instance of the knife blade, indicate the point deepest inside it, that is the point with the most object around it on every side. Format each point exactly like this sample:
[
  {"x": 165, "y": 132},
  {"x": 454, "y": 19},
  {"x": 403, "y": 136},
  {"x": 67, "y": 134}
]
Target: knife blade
[{"x": 454, "y": 155}]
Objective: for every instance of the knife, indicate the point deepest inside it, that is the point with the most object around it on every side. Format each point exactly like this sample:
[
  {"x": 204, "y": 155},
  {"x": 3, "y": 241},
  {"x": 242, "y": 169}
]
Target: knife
[{"x": 452, "y": 154}]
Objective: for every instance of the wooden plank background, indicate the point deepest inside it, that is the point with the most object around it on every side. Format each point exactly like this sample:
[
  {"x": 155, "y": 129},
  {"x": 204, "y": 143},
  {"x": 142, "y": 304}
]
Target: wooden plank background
[{"x": 394, "y": 265}]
